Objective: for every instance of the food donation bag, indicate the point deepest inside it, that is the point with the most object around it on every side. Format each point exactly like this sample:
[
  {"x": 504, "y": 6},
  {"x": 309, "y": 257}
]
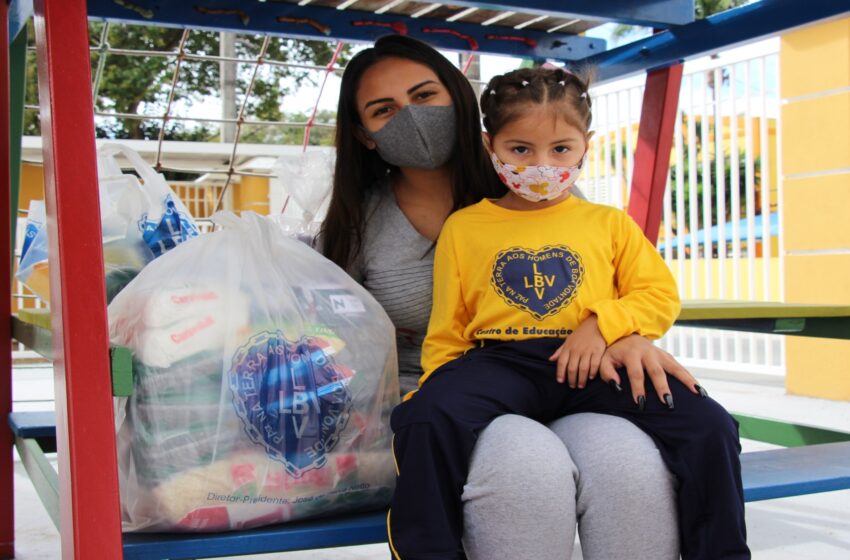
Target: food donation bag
[
  {"x": 264, "y": 380},
  {"x": 140, "y": 220}
]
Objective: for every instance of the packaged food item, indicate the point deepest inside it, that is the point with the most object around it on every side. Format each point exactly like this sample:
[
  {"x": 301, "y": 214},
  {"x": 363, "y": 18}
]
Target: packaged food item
[{"x": 264, "y": 379}]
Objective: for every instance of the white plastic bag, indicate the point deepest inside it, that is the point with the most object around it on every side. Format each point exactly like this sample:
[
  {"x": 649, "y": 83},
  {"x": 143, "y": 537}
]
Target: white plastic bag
[
  {"x": 307, "y": 179},
  {"x": 264, "y": 379},
  {"x": 163, "y": 220},
  {"x": 32, "y": 267},
  {"x": 140, "y": 221}
]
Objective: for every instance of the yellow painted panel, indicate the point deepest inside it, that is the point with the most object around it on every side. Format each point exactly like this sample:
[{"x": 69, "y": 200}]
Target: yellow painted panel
[
  {"x": 815, "y": 58},
  {"x": 252, "y": 194},
  {"x": 817, "y": 279},
  {"x": 726, "y": 288},
  {"x": 32, "y": 185},
  {"x": 816, "y": 212},
  {"x": 818, "y": 368},
  {"x": 816, "y": 134}
]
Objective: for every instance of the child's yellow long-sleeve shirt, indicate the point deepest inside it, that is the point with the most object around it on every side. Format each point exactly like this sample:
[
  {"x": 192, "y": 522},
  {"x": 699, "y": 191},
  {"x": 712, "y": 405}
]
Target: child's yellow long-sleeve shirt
[{"x": 513, "y": 275}]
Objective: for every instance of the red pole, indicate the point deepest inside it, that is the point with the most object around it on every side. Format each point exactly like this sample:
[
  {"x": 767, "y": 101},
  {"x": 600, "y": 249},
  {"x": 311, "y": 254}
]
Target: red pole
[
  {"x": 652, "y": 155},
  {"x": 7, "y": 489},
  {"x": 90, "y": 517}
]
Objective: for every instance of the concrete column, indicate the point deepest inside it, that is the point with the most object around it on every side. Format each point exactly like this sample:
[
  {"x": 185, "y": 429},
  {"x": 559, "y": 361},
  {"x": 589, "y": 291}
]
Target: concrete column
[{"x": 815, "y": 89}]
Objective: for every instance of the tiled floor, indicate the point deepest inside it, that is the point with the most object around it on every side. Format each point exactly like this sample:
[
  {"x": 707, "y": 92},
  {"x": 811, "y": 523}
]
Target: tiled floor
[{"x": 815, "y": 527}]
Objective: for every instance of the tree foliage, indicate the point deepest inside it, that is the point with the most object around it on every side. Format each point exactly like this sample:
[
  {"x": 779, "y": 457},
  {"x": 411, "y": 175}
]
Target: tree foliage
[
  {"x": 705, "y": 8},
  {"x": 141, "y": 85},
  {"x": 702, "y": 9}
]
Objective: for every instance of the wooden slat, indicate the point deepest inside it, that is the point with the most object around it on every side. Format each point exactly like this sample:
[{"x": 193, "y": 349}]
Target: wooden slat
[
  {"x": 785, "y": 434},
  {"x": 796, "y": 471},
  {"x": 723, "y": 309},
  {"x": 33, "y": 424},
  {"x": 351, "y": 530},
  {"x": 819, "y": 321}
]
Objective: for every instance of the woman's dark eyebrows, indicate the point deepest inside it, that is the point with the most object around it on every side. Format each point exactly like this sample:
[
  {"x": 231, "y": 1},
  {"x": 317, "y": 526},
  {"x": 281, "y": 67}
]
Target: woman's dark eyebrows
[
  {"x": 419, "y": 85},
  {"x": 375, "y": 101},
  {"x": 386, "y": 99}
]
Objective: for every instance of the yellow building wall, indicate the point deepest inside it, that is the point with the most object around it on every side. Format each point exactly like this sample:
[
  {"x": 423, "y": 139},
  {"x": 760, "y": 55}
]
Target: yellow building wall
[
  {"x": 815, "y": 75},
  {"x": 32, "y": 185},
  {"x": 252, "y": 194},
  {"x": 728, "y": 282}
]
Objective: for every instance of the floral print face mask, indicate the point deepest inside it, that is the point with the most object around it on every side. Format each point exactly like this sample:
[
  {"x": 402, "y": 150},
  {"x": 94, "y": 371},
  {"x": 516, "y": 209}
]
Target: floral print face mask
[{"x": 537, "y": 183}]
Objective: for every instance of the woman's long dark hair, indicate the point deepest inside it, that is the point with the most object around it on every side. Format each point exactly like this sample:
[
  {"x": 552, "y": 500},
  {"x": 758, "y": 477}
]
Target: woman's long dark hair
[{"x": 359, "y": 169}]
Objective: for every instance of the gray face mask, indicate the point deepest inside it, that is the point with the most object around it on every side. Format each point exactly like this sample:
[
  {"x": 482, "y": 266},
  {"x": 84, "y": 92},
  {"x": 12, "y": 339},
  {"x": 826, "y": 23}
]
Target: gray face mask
[{"x": 420, "y": 136}]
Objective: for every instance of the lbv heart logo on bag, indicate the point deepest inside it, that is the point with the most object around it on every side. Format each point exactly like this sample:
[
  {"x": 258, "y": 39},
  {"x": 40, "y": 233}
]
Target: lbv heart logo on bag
[
  {"x": 292, "y": 398},
  {"x": 539, "y": 281}
]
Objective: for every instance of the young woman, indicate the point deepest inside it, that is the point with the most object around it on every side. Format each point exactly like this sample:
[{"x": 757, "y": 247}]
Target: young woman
[{"x": 409, "y": 153}]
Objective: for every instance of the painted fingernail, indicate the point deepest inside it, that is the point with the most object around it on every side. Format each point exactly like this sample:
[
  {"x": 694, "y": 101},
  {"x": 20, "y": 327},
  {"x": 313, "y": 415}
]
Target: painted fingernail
[
  {"x": 668, "y": 398},
  {"x": 641, "y": 403},
  {"x": 701, "y": 390},
  {"x": 615, "y": 386}
]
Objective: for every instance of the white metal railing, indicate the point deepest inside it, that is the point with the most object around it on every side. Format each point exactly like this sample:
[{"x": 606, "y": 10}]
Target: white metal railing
[
  {"x": 721, "y": 242},
  {"x": 201, "y": 198}
]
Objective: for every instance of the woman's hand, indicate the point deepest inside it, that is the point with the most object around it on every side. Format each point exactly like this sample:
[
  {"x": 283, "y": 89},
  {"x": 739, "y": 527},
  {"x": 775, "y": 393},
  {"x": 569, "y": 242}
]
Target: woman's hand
[
  {"x": 639, "y": 355},
  {"x": 580, "y": 355}
]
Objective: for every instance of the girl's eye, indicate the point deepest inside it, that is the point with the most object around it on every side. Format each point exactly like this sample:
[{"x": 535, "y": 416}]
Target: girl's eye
[
  {"x": 561, "y": 149},
  {"x": 519, "y": 150}
]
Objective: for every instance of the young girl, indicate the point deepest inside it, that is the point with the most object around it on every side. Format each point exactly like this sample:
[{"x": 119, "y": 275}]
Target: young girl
[{"x": 530, "y": 289}]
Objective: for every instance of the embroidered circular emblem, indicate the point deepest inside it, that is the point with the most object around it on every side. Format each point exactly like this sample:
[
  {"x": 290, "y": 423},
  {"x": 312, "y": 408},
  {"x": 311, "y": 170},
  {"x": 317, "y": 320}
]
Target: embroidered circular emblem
[
  {"x": 538, "y": 281},
  {"x": 292, "y": 399}
]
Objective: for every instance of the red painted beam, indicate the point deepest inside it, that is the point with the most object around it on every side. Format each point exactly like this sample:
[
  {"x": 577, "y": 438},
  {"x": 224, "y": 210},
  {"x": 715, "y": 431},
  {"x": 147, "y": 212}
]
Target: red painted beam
[
  {"x": 7, "y": 490},
  {"x": 90, "y": 517},
  {"x": 652, "y": 155}
]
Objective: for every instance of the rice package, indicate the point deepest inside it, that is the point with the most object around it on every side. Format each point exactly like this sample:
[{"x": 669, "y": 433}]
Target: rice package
[{"x": 264, "y": 379}]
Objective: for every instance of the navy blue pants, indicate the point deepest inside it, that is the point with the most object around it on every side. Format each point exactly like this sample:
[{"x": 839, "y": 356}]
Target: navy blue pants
[{"x": 436, "y": 430}]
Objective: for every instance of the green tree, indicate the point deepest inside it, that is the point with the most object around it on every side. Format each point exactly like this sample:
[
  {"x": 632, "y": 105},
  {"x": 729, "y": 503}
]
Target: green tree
[
  {"x": 702, "y": 9},
  {"x": 142, "y": 84},
  {"x": 293, "y": 135}
]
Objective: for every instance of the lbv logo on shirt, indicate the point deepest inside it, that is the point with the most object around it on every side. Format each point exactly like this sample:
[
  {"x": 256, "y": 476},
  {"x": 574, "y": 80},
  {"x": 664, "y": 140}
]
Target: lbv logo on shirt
[{"x": 538, "y": 281}]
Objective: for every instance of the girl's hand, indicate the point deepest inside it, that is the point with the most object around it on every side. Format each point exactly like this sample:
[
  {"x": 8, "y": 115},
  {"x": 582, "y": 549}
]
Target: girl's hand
[
  {"x": 580, "y": 355},
  {"x": 639, "y": 355}
]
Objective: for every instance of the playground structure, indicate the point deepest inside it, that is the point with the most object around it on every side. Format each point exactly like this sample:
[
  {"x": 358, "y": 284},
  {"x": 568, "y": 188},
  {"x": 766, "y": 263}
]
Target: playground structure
[{"x": 85, "y": 493}]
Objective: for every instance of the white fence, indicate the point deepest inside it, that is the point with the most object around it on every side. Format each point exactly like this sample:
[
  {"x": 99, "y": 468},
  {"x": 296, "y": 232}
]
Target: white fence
[{"x": 721, "y": 241}]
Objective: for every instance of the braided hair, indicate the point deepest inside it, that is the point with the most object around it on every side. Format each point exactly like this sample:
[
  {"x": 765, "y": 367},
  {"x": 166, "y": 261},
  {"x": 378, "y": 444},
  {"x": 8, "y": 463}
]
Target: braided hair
[{"x": 507, "y": 95}]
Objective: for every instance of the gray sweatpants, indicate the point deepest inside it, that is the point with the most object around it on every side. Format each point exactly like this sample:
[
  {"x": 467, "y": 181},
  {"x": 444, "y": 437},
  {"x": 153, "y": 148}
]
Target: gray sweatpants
[{"x": 530, "y": 484}]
